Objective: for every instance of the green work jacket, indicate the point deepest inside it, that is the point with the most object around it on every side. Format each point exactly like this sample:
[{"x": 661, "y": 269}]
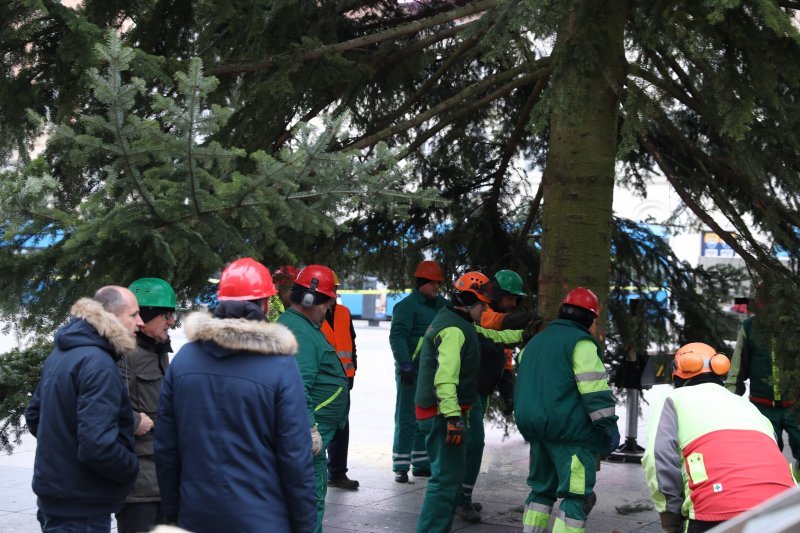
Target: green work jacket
[
  {"x": 753, "y": 359},
  {"x": 324, "y": 380},
  {"x": 448, "y": 364},
  {"x": 410, "y": 318},
  {"x": 562, "y": 392}
]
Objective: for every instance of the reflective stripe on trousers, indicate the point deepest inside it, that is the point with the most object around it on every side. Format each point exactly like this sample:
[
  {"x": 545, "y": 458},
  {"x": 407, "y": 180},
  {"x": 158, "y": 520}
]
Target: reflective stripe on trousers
[
  {"x": 536, "y": 518},
  {"x": 564, "y": 524}
]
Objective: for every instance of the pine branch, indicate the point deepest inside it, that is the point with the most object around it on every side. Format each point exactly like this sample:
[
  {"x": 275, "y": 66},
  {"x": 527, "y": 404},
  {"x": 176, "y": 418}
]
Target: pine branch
[
  {"x": 720, "y": 173},
  {"x": 697, "y": 209},
  {"x": 420, "y": 139},
  {"x": 426, "y": 87},
  {"x": 422, "y": 44},
  {"x": 533, "y": 209},
  {"x": 664, "y": 84},
  {"x": 449, "y": 103},
  {"x": 511, "y": 145},
  {"x": 360, "y": 42}
]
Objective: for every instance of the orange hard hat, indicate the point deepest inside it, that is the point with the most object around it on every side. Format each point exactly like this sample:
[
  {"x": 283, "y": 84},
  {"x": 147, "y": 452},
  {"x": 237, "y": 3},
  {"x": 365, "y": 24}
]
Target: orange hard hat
[
  {"x": 583, "y": 298},
  {"x": 318, "y": 278},
  {"x": 245, "y": 279},
  {"x": 429, "y": 270},
  {"x": 476, "y": 283},
  {"x": 698, "y": 358}
]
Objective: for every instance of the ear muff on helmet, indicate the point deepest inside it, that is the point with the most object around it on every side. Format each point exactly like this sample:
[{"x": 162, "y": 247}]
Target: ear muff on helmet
[
  {"x": 307, "y": 300},
  {"x": 698, "y": 358}
]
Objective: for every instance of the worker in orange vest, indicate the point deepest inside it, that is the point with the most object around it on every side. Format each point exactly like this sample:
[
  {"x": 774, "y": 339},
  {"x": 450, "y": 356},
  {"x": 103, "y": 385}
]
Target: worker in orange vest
[{"x": 338, "y": 329}]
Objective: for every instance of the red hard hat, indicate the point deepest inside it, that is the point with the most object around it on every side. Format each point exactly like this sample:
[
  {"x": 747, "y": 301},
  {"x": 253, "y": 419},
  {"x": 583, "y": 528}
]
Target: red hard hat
[
  {"x": 476, "y": 283},
  {"x": 245, "y": 279},
  {"x": 584, "y": 298},
  {"x": 324, "y": 276},
  {"x": 285, "y": 275},
  {"x": 429, "y": 270}
]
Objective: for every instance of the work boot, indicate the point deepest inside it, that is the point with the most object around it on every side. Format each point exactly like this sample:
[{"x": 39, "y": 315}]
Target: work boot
[
  {"x": 423, "y": 473},
  {"x": 468, "y": 513},
  {"x": 343, "y": 483},
  {"x": 401, "y": 477},
  {"x": 589, "y": 503}
]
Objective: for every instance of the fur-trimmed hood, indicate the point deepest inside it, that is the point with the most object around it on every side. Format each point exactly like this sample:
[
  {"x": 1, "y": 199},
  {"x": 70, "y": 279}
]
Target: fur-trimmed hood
[
  {"x": 87, "y": 311},
  {"x": 240, "y": 334}
]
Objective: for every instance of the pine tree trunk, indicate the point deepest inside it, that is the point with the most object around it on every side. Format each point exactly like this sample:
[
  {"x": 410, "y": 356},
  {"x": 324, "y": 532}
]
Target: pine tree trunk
[{"x": 578, "y": 181}]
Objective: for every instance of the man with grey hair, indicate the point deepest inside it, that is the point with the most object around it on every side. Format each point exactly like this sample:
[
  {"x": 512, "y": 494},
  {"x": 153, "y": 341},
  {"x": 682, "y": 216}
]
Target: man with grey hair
[{"x": 81, "y": 416}]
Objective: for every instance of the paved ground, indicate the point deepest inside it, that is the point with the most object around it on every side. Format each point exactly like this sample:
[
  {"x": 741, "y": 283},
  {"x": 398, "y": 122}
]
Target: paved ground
[{"x": 381, "y": 504}]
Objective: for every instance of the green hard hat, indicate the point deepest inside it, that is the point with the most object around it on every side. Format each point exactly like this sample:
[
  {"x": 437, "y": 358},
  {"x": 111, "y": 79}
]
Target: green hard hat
[
  {"x": 509, "y": 281},
  {"x": 153, "y": 292}
]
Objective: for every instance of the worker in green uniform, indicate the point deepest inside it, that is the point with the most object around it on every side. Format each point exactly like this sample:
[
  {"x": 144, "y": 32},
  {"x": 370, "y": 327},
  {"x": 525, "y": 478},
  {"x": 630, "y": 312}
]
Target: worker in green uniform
[
  {"x": 564, "y": 408},
  {"x": 324, "y": 378},
  {"x": 754, "y": 359},
  {"x": 410, "y": 319},
  {"x": 496, "y": 371},
  {"x": 446, "y": 389}
]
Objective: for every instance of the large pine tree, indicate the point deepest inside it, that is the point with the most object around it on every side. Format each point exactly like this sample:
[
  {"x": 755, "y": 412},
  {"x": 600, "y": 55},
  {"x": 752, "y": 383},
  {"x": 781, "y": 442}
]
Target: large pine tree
[{"x": 475, "y": 96}]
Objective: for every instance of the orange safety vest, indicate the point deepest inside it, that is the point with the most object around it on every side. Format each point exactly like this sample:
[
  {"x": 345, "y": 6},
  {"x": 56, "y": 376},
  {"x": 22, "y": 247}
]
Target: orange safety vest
[
  {"x": 339, "y": 337},
  {"x": 491, "y": 319}
]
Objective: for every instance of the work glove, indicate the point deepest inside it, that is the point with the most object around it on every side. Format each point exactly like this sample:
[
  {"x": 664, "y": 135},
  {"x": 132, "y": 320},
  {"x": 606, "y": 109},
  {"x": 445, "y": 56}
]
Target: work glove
[
  {"x": 671, "y": 522},
  {"x": 350, "y": 383},
  {"x": 316, "y": 441},
  {"x": 589, "y": 503},
  {"x": 533, "y": 327},
  {"x": 455, "y": 430},
  {"x": 407, "y": 374},
  {"x": 505, "y": 387},
  {"x": 613, "y": 442}
]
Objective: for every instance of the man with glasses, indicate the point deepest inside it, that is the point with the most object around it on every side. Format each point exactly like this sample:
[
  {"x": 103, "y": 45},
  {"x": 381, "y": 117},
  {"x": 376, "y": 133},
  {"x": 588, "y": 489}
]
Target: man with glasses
[{"x": 143, "y": 372}]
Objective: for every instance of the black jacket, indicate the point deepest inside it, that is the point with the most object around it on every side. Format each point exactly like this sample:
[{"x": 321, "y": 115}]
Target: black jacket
[
  {"x": 81, "y": 417},
  {"x": 142, "y": 371}
]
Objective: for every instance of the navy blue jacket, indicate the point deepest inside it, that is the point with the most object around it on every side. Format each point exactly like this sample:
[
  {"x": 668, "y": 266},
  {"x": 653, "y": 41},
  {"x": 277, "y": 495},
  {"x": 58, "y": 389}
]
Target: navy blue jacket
[
  {"x": 232, "y": 442},
  {"x": 81, "y": 417}
]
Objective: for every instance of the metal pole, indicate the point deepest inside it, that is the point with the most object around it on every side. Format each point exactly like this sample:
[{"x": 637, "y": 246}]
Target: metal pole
[{"x": 632, "y": 404}]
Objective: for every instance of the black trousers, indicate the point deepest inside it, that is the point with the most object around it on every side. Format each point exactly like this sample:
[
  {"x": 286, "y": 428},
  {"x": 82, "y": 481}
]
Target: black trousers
[
  {"x": 337, "y": 453},
  {"x": 139, "y": 517},
  {"x": 699, "y": 526}
]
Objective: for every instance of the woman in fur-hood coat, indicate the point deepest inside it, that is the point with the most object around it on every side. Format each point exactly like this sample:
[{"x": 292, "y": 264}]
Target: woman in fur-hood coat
[{"x": 232, "y": 443}]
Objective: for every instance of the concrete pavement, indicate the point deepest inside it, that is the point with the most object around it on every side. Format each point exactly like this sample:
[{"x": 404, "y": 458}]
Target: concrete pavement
[{"x": 381, "y": 504}]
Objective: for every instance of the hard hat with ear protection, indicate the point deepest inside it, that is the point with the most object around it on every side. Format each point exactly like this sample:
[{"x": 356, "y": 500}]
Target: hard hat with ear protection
[
  {"x": 316, "y": 278},
  {"x": 475, "y": 282},
  {"x": 698, "y": 358}
]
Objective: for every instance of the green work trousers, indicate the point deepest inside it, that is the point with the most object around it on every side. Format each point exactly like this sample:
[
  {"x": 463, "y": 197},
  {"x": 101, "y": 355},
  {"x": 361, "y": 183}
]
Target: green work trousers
[
  {"x": 475, "y": 442},
  {"x": 447, "y": 474},
  {"x": 783, "y": 419},
  {"x": 321, "y": 472},
  {"x": 558, "y": 470},
  {"x": 408, "y": 449}
]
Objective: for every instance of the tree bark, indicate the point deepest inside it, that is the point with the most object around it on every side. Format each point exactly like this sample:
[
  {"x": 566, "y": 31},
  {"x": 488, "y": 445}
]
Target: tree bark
[{"x": 578, "y": 180}]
